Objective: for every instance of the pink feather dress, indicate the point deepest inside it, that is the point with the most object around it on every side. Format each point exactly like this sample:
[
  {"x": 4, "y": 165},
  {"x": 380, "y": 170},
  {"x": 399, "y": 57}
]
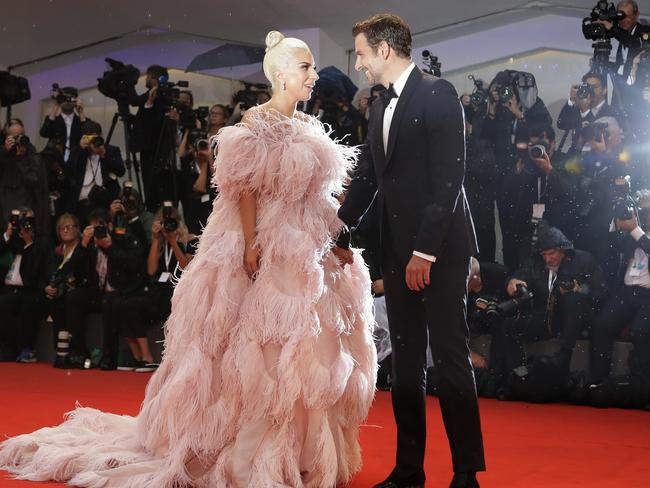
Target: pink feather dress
[{"x": 264, "y": 381}]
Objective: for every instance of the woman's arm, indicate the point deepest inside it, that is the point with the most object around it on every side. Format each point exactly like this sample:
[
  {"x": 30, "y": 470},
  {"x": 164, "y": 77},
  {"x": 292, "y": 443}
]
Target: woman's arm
[
  {"x": 248, "y": 215},
  {"x": 154, "y": 249}
]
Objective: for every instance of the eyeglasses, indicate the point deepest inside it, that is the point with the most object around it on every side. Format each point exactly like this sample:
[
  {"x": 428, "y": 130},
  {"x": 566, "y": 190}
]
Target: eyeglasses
[
  {"x": 68, "y": 227},
  {"x": 218, "y": 113}
]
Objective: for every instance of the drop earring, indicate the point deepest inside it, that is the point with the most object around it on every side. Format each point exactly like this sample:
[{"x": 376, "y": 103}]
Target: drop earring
[{"x": 284, "y": 85}]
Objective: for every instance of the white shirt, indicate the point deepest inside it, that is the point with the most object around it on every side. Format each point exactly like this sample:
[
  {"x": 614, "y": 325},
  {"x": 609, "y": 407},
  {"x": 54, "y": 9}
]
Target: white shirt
[
  {"x": 68, "y": 128},
  {"x": 398, "y": 86},
  {"x": 624, "y": 52},
  {"x": 92, "y": 177},
  {"x": 637, "y": 269}
]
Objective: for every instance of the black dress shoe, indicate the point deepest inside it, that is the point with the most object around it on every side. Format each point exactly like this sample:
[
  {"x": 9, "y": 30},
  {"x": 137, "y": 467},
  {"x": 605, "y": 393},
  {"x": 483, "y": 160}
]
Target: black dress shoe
[
  {"x": 393, "y": 484},
  {"x": 393, "y": 481},
  {"x": 464, "y": 480}
]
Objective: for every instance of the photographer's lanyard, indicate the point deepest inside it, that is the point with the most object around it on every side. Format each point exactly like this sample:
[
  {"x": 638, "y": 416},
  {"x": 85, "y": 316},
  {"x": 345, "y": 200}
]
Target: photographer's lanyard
[
  {"x": 550, "y": 305},
  {"x": 168, "y": 256}
]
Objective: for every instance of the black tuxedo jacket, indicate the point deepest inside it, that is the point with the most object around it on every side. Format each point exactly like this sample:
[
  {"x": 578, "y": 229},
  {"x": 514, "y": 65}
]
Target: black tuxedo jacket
[
  {"x": 632, "y": 41},
  {"x": 56, "y": 129},
  {"x": 418, "y": 181},
  {"x": 111, "y": 164}
]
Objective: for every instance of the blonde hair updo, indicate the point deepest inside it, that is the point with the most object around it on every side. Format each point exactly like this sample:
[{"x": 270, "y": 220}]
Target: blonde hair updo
[{"x": 279, "y": 50}]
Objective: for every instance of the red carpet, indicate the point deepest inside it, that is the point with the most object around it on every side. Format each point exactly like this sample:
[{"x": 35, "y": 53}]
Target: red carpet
[{"x": 528, "y": 446}]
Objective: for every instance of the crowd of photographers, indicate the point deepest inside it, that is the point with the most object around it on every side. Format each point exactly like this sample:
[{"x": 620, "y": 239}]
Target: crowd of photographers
[{"x": 570, "y": 198}]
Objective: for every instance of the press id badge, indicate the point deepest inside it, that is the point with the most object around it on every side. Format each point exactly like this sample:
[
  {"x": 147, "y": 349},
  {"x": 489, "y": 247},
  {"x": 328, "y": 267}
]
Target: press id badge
[
  {"x": 538, "y": 210},
  {"x": 205, "y": 197},
  {"x": 164, "y": 277}
]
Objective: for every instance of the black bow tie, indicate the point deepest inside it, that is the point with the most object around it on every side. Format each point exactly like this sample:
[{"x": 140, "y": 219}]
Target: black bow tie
[{"x": 387, "y": 95}]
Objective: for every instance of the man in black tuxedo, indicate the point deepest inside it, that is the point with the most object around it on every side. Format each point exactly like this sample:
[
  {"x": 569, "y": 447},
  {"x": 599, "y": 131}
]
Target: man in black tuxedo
[
  {"x": 64, "y": 120},
  {"x": 413, "y": 164}
]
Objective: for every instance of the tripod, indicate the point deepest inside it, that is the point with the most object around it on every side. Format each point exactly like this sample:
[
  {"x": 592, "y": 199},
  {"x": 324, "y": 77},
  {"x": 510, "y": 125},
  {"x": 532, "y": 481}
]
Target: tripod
[
  {"x": 131, "y": 160},
  {"x": 164, "y": 161}
]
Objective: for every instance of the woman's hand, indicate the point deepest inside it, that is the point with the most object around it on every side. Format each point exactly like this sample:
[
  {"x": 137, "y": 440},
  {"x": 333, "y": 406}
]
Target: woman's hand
[
  {"x": 345, "y": 256},
  {"x": 50, "y": 291},
  {"x": 251, "y": 260}
]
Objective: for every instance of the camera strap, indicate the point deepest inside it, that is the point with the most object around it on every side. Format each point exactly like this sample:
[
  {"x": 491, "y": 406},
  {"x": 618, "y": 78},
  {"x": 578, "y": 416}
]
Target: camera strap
[
  {"x": 66, "y": 257},
  {"x": 168, "y": 256}
]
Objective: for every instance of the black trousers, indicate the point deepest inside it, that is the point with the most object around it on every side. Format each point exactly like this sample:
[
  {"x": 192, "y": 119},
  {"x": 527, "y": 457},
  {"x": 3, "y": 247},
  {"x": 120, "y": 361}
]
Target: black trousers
[
  {"x": 70, "y": 312},
  {"x": 143, "y": 309},
  {"x": 439, "y": 313},
  {"x": 21, "y": 310},
  {"x": 630, "y": 305},
  {"x": 572, "y": 315}
]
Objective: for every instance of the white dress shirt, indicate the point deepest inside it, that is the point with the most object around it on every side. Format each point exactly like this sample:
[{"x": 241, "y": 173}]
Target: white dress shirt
[
  {"x": 637, "y": 273},
  {"x": 398, "y": 86},
  {"x": 67, "y": 118}
]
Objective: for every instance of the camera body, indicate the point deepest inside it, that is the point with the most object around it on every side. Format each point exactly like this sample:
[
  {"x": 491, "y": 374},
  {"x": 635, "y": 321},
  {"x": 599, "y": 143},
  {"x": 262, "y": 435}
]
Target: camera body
[
  {"x": 118, "y": 82},
  {"x": 623, "y": 204},
  {"x": 188, "y": 117},
  {"x": 100, "y": 231},
  {"x": 585, "y": 90},
  {"x": 20, "y": 221},
  {"x": 59, "y": 97},
  {"x": 480, "y": 95},
  {"x": 62, "y": 282},
  {"x": 596, "y": 131},
  {"x": 602, "y": 11},
  {"x": 170, "y": 224},
  {"x": 493, "y": 310}
]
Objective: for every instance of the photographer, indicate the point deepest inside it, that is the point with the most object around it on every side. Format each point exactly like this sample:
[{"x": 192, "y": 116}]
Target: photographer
[
  {"x": 217, "y": 119},
  {"x": 513, "y": 105},
  {"x": 567, "y": 285},
  {"x": 22, "y": 303},
  {"x": 65, "y": 270},
  {"x": 23, "y": 179},
  {"x": 65, "y": 119},
  {"x": 586, "y": 103},
  {"x": 115, "y": 270},
  {"x": 93, "y": 170},
  {"x": 627, "y": 32},
  {"x": 172, "y": 246},
  {"x": 196, "y": 177},
  {"x": 630, "y": 302},
  {"x": 538, "y": 188}
]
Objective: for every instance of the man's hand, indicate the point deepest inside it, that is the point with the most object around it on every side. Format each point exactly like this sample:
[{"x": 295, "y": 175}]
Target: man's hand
[
  {"x": 575, "y": 289},
  {"x": 377, "y": 287},
  {"x": 513, "y": 106},
  {"x": 627, "y": 225},
  {"x": 153, "y": 93},
  {"x": 10, "y": 142},
  {"x": 116, "y": 206},
  {"x": 573, "y": 93},
  {"x": 478, "y": 361},
  {"x": 512, "y": 286},
  {"x": 55, "y": 111},
  {"x": 345, "y": 256},
  {"x": 466, "y": 99},
  {"x": 50, "y": 291},
  {"x": 599, "y": 146},
  {"x": 544, "y": 163},
  {"x": 606, "y": 23},
  {"x": 174, "y": 115},
  {"x": 87, "y": 235},
  {"x": 418, "y": 271}
]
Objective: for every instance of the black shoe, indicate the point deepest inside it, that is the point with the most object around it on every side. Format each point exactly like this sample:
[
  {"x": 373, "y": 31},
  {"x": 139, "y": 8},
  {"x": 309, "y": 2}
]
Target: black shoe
[
  {"x": 395, "y": 480},
  {"x": 107, "y": 363},
  {"x": 464, "y": 480}
]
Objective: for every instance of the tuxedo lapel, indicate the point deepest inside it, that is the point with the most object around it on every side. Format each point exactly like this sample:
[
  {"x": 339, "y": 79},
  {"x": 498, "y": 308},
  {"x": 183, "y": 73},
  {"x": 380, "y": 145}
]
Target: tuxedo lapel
[
  {"x": 411, "y": 84},
  {"x": 377, "y": 144}
]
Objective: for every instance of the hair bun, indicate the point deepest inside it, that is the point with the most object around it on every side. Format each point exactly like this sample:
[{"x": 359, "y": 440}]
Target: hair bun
[{"x": 273, "y": 38}]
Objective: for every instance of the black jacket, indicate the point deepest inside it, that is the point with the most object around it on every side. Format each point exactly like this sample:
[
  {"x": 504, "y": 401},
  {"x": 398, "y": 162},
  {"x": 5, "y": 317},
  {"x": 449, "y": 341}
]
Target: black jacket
[
  {"x": 111, "y": 166},
  {"x": 570, "y": 117},
  {"x": 632, "y": 41},
  {"x": 31, "y": 266},
  {"x": 577, "y": 265},
  {"x": 126, "y": 264},
  {"x": 56, "y": 129},
  {"x": 418, "y": 181},
  {"x": 75, "y": 266}
]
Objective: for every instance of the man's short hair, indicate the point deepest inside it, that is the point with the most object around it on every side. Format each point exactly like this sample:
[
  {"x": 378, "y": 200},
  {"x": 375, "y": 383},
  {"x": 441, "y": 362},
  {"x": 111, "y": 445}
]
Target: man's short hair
[
  {"x": 99, "y": 214},
  {"x": 386, "y": 27},
  {"x": 601, "y": 78},
  {"x": 541, "y": 130},
  {"x": 70, "y": 90},
  {"x": 623, "y": 3},
  {"x": 156, "y": 71},
  {"x": 91, "y": 127}
]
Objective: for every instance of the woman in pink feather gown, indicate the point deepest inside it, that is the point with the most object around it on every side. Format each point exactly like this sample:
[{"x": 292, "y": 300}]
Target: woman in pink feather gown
[{"x": 269, "y": 364}]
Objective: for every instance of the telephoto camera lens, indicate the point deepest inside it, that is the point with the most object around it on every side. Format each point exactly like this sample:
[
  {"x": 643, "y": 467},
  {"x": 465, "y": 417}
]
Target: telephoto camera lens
[
  {"x": 169, "y": 222},
  {"x": 537, "y": 151}
]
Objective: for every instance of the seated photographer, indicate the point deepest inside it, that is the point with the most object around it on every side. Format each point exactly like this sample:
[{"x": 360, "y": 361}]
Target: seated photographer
[
  {"x": 93, "y": 170},
  {"x": 196, "y": 178},
  {"x": 128, "y": 212},
  {"x": 540, "y": 188},
  {"x": 172, "y": 247},
  {"x": 115, "y": 270},
  {"x": 629, "y": 304},
  {"x": 65, "y": 119},
  {"x": 23, "y": 179},
  {"x": 586, "y": 103},
  {"x": 65, "y": 270},
  {"x": 566, "y": 286},
  {"x": 22, "y": 303}
]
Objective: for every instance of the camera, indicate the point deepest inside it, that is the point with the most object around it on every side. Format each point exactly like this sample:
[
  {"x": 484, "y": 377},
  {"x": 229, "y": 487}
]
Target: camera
[
  {"x": 595, "y": 132},
  {"x": 480, "y": 94},
  {"x": 433, "y": 66},
  {"x": 188, "y": 117},
  {"x": 118, "y": 82},
  {"x": 623, "y": 205},
  {"x": 170, "y": 224},
  {"x": 566, "y": 284},
  {"x": 585, "y": 90},
  {"x": 62, "y": 282},
  {"x": 20, "y": 221},
  {"x": 57, "y": 95},
  {"x": 495, "y": 311},
  {"x": 538, "y": 151},
  {"x": 247, "y": 97},
  {"x": 100, "y": 231},
  {"x": 199, "y": 140},
  {"x": 20, "y": 140},
  {"x": 93, "y": 139},
  {"x": 602, "y": 11},
  {"x": 169, "y": 92}
]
